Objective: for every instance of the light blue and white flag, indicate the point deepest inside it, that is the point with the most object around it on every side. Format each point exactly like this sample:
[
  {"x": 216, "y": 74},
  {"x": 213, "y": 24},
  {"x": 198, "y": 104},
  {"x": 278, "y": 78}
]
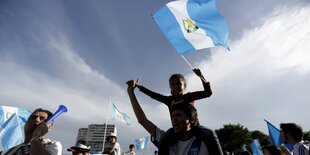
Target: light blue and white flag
[
  {"x": 142, "y": 142},
  {"x": 6, "y": 112},
  {"x": 12, "y": 121},
  {"x": 256, "y": 148},
  {"x": 11, "y": 134},
  {"x": 244, "y": 148},
  {"x": 117, "y": 115},
  {"x": 191, "y": 25}
]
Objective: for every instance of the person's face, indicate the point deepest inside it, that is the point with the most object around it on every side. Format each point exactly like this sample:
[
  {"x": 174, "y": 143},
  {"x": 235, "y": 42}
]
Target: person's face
[
  {"x": 177, "y": 86},
  {"x": 34, "y": 120},
  {"x": 132, "y": 148},
  {"x": 112, "y": 140},
  {"x": 180, "y": 122},
  {"x": 283, "y": 137}
]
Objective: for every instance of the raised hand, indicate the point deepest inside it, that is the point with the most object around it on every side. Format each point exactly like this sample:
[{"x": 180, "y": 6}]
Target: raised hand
[
  {"x": 197, "y": 72},
  {"x": 40, "y": 130}
]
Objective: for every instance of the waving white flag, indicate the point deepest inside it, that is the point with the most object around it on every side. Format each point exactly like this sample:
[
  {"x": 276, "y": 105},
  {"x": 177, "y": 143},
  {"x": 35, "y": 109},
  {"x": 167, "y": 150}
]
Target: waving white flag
[{"x": 116, "y": 114}]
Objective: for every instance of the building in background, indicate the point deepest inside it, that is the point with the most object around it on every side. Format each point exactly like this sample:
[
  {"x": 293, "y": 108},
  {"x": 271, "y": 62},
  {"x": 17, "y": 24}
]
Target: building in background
[
  {"x": 82, "y": 134},
  {"x": 94, "y": 135}
]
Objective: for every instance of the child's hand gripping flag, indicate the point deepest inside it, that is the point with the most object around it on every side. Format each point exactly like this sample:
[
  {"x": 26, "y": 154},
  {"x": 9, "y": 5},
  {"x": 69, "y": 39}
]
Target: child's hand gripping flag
[{"x": 191, "y": 25}]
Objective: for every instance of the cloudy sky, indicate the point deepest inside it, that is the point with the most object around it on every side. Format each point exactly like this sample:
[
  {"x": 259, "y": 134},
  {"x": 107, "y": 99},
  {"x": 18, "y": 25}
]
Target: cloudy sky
[{"x": 81, "y": 53}]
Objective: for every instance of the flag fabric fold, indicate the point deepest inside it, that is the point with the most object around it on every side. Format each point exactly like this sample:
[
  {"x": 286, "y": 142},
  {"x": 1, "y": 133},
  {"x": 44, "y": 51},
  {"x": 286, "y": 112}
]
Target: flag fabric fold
[
  {"x": 116, "y": 115},
  {"x": 244, "y": 148},
  {"x": 12, "y": 121},
  {"x": 256, "y": 148},
  {"x": 6, "y": 112},
  {"x": 11, "y": 134},
  {"x": 274, "y": 134},
  {"x": 191, "y": 25},
  {"x": 141, "y": 143}
]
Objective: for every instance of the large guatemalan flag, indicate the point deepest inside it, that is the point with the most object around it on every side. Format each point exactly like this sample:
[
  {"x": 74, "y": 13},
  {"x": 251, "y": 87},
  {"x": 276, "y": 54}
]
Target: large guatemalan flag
[
  {"x": 191, "y": 25},
  {"x": 12, "y": 121}
]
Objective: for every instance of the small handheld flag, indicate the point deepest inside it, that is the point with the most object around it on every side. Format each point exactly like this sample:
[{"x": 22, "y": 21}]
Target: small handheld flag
[
  {"x": 116, "y": 114},
  {"x": 141, "y": 143},
  {"x": 274, "y": 134},
  {"x": 256, "y": 148}
]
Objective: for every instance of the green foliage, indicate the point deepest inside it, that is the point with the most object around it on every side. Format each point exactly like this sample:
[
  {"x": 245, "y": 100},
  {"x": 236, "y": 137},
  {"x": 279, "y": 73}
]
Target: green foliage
[
  {"x": 306, "y": 136},
  {"x": 263, "y": 139},
  {"x": 232, "y": 137}
]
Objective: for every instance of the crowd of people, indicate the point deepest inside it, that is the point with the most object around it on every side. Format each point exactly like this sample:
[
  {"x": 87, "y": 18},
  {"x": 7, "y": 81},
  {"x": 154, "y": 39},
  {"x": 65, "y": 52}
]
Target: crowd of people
[{"x": 185, "y": 137}]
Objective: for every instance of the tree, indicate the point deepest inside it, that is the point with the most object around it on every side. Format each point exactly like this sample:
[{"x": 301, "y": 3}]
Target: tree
[
  {"x": 262, "y": 138},
  {"x": 232, "y": 137},
  {"x": 306, "y": 136}
]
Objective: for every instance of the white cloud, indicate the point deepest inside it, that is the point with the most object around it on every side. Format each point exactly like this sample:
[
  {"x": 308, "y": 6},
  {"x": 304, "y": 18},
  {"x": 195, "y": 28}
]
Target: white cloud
[{"x": 84, "y": 91}]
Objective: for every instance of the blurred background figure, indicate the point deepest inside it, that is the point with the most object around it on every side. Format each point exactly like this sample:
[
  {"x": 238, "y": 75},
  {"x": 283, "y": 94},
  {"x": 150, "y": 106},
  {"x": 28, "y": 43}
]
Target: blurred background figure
[
  {"x": 80, "y": 148},
  {"x": 292, "y": 133},
  {"x": 155, "y": 152},
  {"x": 131, "y": 151},
  {"x": 112, "y": 146}
]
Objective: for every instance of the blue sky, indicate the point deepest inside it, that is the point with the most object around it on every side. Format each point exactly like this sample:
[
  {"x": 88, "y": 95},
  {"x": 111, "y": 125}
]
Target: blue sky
[{"x": 80, "y": 53}]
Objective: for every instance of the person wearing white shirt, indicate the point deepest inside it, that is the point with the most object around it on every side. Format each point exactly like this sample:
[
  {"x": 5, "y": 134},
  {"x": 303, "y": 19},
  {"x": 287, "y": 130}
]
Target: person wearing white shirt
[
  {"x": 291, "y": 133},
  {"x": 35, "y": 143}
]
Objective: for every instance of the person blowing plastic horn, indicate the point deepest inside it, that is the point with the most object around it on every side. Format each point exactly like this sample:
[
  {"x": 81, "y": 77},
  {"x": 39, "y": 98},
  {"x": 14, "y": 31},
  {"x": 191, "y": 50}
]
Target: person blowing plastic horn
[{"x": 35, "y": 129}]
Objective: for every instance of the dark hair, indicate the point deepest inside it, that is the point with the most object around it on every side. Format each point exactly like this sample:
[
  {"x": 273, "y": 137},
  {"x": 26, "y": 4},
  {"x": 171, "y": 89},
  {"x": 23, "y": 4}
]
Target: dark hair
[
  {"x": 189, "y": 110},
  {"x": 272, "y": 149},
  {"x": 80, "y": 141},
  {"x": 131, "y": 146},
  {"x": 177, "y": 76},
  {"x": 49, "y": 114},
  {"x": 292, "y": 128}
]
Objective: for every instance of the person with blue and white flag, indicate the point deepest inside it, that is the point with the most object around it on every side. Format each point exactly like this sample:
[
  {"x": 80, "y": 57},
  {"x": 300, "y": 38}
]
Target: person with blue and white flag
[
  {"x": 35, "y": 142},
  {"x": 186, "y": 138}
]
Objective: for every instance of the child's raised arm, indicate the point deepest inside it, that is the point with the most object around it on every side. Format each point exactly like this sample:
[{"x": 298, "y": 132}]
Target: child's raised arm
[
  {"x": 152, "y": 94},
  {"x": 205, "y": 83}
]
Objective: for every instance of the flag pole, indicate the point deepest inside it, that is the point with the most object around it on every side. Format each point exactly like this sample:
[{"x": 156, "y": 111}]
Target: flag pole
[
  {"x": 106, "y": 124},
  {"x": 189, "y": 64}
]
